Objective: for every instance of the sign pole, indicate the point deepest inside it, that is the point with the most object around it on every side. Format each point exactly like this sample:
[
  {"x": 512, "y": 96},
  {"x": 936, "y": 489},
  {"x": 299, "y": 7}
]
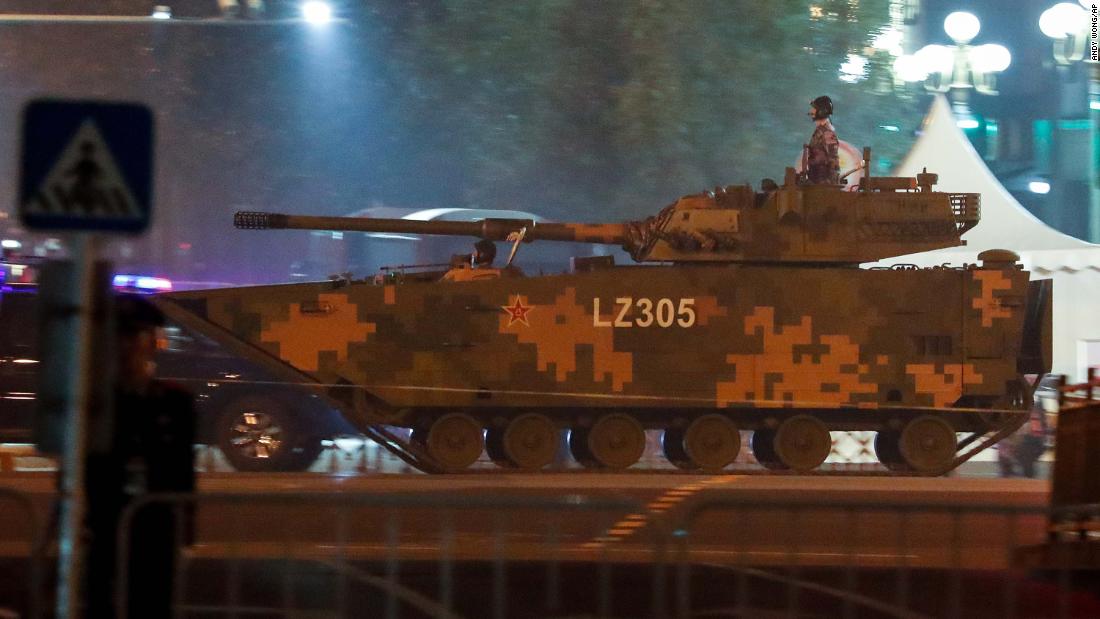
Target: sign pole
[
  {"x": 79, "y": 301},
  {"x": 86, "y": 168}
]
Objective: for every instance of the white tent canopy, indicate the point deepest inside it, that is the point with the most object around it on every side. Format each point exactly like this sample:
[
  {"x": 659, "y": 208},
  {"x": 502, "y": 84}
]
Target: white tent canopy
[{"x": 1073, "y": 264}]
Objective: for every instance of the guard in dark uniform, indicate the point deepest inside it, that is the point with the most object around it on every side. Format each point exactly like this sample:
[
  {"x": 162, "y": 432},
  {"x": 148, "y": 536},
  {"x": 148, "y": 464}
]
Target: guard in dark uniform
[
  {"x": 150, "y": 451},
  {"x": 821, "y": 157}
]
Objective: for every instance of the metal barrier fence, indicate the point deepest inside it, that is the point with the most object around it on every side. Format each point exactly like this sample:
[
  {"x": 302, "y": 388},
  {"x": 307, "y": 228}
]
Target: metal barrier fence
[
  {"x": 721, "y": 553},
  {"x": 394, "y": 555},
  {"x": 893, "y": 560},
  {"x": 21, "y": 553}
]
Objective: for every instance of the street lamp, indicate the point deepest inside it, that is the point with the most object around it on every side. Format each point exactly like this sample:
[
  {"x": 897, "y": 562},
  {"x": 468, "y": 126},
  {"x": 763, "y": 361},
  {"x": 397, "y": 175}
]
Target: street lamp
[
  {"x": 957, "y": 69},
  {"x": 962, "y": 66},
  {"x": 1067, "y": 24},
  {"x": 962, "y": 26}
]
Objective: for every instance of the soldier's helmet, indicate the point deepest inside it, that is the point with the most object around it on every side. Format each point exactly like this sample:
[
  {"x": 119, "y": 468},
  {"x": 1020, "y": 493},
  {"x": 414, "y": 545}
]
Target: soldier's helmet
[
  {"x": 823, "y": 107},
  {"x": 485, "y": 251}
]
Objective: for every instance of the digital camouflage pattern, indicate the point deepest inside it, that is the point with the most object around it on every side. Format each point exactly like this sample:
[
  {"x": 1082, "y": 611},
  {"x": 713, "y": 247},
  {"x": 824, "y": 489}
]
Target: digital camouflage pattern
[
  {"x": 823, "y": 155},
  {"x": 758, "y": 310}
]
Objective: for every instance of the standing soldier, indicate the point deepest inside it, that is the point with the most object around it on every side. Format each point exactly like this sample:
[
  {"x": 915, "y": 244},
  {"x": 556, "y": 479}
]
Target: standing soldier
[{"x": 821, "y": 159}]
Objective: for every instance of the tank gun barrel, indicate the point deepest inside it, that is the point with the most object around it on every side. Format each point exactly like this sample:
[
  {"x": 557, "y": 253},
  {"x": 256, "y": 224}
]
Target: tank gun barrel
[
  {"x": 792, "y": 223},
  {"x": 493, "y": 229}
]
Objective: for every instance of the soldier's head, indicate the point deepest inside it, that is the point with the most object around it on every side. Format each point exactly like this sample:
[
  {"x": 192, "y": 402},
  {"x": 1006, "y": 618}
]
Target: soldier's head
[
  {"x": 136, "y": 324},
  {"x": 485, "y": 251},
  {"x": 821, "y": 108}
]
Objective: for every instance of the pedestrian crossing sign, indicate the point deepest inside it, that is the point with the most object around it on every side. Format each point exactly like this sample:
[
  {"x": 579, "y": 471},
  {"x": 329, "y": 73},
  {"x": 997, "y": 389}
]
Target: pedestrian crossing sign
[{"x": 86, "y": 165}]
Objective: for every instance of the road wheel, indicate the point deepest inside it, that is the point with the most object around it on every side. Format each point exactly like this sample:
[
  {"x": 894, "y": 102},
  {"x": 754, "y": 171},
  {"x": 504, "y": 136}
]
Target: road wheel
[
  {"x": 763, "y": 448},
  {"x": 672, "y": 444},
  {"x": 257, "y": 433},
  {"x": 712, "y": 442},
  {"x": 928, "y": 444},
  {"x": 530, "y": 441},
  {"x": 888, "y": 452},
  {"x": 616, "y": 441},
  {"x": 803, "y": 442},
  {"x": 455, "y": 441}
]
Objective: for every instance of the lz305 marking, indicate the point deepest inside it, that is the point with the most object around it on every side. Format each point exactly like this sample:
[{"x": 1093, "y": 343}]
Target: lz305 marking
[{"x": 663, "y": 313}]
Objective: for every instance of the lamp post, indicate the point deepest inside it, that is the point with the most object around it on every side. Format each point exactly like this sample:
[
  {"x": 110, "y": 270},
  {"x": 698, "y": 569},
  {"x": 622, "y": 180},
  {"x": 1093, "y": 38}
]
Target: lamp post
[
  {"x": 959, "y": 69},
  {"x": 1068, "y": 26},
  {"x": 1066, "y": 23}
]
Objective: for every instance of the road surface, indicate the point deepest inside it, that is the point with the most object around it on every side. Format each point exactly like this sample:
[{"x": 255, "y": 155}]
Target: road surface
[{"x": 813, "y": 520}]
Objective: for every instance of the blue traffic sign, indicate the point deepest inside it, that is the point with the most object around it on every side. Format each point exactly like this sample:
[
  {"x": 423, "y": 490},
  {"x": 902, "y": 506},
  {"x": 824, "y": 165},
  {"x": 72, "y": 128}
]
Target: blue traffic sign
[{"x": 86, "y": 165}]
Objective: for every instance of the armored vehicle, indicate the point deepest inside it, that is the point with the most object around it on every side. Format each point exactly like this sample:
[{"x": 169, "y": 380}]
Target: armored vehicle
[{"x": 750, "y": 313}]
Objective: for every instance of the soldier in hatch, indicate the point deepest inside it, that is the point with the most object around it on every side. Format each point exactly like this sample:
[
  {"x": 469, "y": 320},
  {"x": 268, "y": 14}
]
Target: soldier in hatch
[
  {"x": 820, "y": 158},
  {"x": 485, "y": 252},
  {"x": 478, "y": 265}
]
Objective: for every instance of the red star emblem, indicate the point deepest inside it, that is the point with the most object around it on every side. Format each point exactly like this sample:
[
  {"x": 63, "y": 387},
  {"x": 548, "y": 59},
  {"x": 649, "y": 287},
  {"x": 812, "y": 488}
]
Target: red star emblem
[{"x": 517, "y": 311}]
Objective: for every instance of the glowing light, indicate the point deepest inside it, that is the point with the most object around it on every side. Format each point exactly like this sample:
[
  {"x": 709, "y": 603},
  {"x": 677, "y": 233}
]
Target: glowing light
[
  {"x": 317, "y": 12},
  {"x": 889, "y": 40},
  {"x": 909, "y": 69},
  {"x": 161, "y": 11},
  {"x": 153, "y": 283},
  {"x": 1040, "y": 187},
  {"x": 348, "y": 443},
  {"x": 10, "y": 244},
  {"x": 854, "y": 69},
  {"x": 962, "y": 26},
  {"x": 890, "y": 128},
  {"x": 990, "y": 58},
  {"x": 1062, "y": 20},
  {"x": 935, "y": 59},
  {"x": 141, "y": 283},
  {"x": 1094, "y": 105},
  {"x": 967, "y": 123}
]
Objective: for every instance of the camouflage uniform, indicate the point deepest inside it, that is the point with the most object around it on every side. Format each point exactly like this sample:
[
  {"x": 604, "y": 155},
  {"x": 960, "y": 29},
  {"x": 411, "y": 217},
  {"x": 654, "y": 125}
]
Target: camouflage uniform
[{"x": 823, "y": 159}]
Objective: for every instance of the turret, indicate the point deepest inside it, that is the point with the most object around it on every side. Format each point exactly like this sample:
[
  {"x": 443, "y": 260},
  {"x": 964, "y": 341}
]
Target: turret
[{"x": 792, "y": 223}]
